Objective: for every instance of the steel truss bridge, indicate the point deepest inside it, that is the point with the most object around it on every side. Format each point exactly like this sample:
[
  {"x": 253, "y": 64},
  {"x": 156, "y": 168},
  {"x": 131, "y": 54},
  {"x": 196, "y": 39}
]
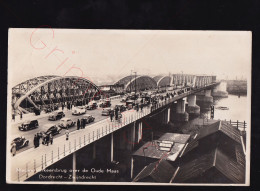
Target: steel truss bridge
[
  {"x": 40, "y": 92},
  {"x": 45, "y": 90}
]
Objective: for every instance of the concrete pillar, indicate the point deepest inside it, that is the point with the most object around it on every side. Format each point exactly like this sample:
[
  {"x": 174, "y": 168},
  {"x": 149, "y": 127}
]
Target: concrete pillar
[
  {"x": 132, "y": 168},
  {"x": 192, "y": 108},
  {"x": 112, "y": 148},
  {"x": 208, "y": 97},
  {"x": 133, "y": 135},
  {"x": 74, "y": 167},
  {"x": 180, "y": 106},
  {"x": 220, "y": 90},
  {"x": 168, "y": 115},
  {"x": 140, "y": 133},
  {"x": 181, "y": 114}
]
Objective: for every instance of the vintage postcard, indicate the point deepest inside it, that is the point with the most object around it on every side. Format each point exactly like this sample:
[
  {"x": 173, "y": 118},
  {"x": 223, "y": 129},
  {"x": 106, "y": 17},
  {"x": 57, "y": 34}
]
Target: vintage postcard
[{"x": 133, "y": 107}]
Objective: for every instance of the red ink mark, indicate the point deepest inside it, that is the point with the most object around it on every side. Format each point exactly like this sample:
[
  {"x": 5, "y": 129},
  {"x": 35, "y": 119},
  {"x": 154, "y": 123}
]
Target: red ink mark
[
  {"x": 55, "y": 49},
  {"x": 44, "y": 45}
]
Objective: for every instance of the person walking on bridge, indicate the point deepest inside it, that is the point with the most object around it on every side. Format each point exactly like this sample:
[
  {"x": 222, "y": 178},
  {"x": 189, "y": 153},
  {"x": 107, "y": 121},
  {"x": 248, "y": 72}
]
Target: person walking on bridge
[
  {"x": 111, "y": 114},
  {"x": 78, "y": 124},
  {"x": 35, "y": 141},
  {"x": 67, "y": 132},
  {"x": 51, "y": 139}
]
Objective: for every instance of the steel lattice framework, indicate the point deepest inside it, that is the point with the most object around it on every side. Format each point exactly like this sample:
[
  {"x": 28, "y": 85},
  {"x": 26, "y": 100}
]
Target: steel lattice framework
[
  {"x": 46, "y": 90},
  {"x": 183, "y": 79},
  {"x": 142, "y": 82}
]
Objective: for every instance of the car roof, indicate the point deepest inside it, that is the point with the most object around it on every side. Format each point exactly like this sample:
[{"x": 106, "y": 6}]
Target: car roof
[
  {"x": 65, "y": 119},
  {"x": 80, "y": 107},
  {"x": 86, "y": 115},
  {"x": 107, "y": 108},
  {"x": 49, "y": 125}
]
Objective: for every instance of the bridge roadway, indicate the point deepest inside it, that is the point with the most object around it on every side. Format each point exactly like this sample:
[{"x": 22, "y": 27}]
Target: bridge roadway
[{"x": 29, "y": 162}]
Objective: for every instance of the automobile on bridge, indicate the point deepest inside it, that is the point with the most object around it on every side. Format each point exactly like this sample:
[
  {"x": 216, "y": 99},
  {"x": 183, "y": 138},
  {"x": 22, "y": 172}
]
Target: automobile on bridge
[
  {"x": 66, "y": 123},
  {"x": 56, "y": 115},
  {"x": 28, "y": 125},
  {"x": 92, "y": 105},
  {"x": 106, "y": 111},
  {"x": 106, "y": 103},
  {"x": 88, "y": 118},
  {"x": 79, "y": 110},
  {"x": 121, "y": 107},
  {"x": 51, "y": 129},
  {"x": 20, "y": 142}
]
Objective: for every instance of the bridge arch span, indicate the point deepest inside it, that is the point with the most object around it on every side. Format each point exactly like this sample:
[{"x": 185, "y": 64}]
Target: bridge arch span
[{"x": 46, "y": 90}]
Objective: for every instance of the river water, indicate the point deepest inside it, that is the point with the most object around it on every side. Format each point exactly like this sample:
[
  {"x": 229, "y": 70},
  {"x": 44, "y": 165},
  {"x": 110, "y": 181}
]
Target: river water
[{"x": 238, "y": 108}]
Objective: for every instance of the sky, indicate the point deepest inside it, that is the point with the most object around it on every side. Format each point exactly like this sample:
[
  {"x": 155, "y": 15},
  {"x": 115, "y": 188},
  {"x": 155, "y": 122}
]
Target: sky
[{"x": 105, "y": 56}]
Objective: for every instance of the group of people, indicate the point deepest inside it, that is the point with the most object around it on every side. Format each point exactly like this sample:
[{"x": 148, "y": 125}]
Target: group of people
[
  {"x": 46, "y": 140},
  {"x": 13, "y": 116},
  {"x": 115, "y": 113},
  {"x": 81, "y": 124}
]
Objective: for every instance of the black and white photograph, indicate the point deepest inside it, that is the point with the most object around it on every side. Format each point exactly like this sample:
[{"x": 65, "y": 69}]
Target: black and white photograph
[{"x": 131, "y": 107}]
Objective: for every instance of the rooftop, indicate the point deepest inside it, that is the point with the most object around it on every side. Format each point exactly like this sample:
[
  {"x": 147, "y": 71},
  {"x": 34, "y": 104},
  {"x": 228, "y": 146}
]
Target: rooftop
[{"x": 166, "y": 147}]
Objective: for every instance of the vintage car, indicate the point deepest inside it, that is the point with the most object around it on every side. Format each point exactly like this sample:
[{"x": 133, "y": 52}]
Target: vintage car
[
  {"x": 124, "y": 99},
  {"x": 121, "y": 107},
  {"x": 106, "y": 111},
  {"x": 130, "y": 104},
  {"x": 91, "y": 106},
  {"x": 27, "y": 125},
  {"x": 104, "y": 104},
  {"x": 20, "y": 142},
  {"x": 51, "y": 129},
  {"x": 56, "y": 115},
  {"x": 88, "y": 118},
  {"x": 66, "y": 123},
  {"x": 79, "y": 110}
]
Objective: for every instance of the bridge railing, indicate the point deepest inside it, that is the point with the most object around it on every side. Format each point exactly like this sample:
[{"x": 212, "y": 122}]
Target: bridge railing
[
  {"x": 80, "y": 138},
  {"x": 77, "y": 139}
]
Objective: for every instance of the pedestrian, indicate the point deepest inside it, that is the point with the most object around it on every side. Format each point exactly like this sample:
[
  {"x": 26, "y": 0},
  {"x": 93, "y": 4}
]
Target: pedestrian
[
  {"x": 111, "y": 115},
  {"x": 21, "y": 115},
  {"x": 13, "y": 117},
  {"x": 62, "y": 106},
  {"x": 84, "y": 124},
  {"x": 51, "y": 139},
  {"x": 47, "y": 138},
  {"x": 116, "y": 113},
  {"x": 13, "y": 149},
  {"x": 137, "y": 107},
  {"x": 67, "y": 134},
  {"x": 78, "y": 124},
  {"x": 38, "y": 140},
  {"x": 35, "y": 141},
  {"x": 141, "y": 106}
]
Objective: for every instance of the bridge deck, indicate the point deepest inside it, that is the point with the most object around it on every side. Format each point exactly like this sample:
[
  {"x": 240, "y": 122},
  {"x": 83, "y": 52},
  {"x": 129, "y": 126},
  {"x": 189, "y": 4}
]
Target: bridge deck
[{"x": 32, "y": 161}]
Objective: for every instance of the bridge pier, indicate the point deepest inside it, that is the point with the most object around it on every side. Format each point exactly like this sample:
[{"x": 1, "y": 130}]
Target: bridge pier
[
  {"x": 220, "y": 90},
  {"x": 192, "y": 108},
  {"x": 74, "y": 162},
  {"x": 112, "y": 148},
  {"x": 180, "y": 114},
  {"x": 205, "y": 96}
]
